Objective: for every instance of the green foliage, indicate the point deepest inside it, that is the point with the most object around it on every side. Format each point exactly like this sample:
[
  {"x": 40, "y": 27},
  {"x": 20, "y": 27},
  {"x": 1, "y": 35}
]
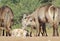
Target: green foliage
[
  {"x": 56, "y": 3},
  {"x": 46, "y": 1}
]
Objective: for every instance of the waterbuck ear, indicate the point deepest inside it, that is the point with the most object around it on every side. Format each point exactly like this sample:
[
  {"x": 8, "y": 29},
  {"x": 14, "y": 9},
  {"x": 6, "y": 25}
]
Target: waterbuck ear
[
  {"x": 28, "y": 16},
  {"x": 24, "y": 16}
]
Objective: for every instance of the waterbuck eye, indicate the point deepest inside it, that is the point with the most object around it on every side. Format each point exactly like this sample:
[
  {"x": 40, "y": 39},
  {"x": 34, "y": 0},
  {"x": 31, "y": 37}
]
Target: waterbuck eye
[{"x": 25, "y": 17}]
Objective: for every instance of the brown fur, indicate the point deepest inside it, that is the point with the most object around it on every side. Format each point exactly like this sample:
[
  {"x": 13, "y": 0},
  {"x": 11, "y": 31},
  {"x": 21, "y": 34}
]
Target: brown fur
[
  {"x": 40, "y": 15},
  {"x": 3, "y": 11},
  {"x": 39, "y": 22},
  {"x": 54, "y": 21}
]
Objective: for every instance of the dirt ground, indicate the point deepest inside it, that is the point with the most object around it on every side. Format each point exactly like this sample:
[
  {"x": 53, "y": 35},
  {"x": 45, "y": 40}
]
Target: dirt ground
[
  {"x": 30, "y": 39},
  {"x": 41, "y": 38}
]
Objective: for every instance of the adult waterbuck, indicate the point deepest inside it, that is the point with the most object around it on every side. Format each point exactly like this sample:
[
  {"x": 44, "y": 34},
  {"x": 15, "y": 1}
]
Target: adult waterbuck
[
  {"x": 53, "y": 18},
  {"x": 6, "y": 19},
  {"x": 46, "y": 14}
]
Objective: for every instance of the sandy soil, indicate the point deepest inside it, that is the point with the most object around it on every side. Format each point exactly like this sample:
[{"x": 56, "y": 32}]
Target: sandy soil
[{"x": 30, "y": 39}]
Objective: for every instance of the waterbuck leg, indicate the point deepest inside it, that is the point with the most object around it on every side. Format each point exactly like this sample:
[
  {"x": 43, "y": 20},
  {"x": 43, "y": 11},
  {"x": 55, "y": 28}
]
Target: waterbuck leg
[
  {"x": 45, "y": 30},
  {"x": 53, "y": 30},
  {"x": 8, "y": 29},
  {"x": 37, "y": 26},
  {"x": 46, "y": 33},
  {"x": 8, "y": 33},
  {"x": 3, "y": 32},
  {"x": 57, "y": 31},
  {"x": 31, "y": 31},
  {"x": 30, "y": 34},
  {"x": 39, "y": 31}
]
